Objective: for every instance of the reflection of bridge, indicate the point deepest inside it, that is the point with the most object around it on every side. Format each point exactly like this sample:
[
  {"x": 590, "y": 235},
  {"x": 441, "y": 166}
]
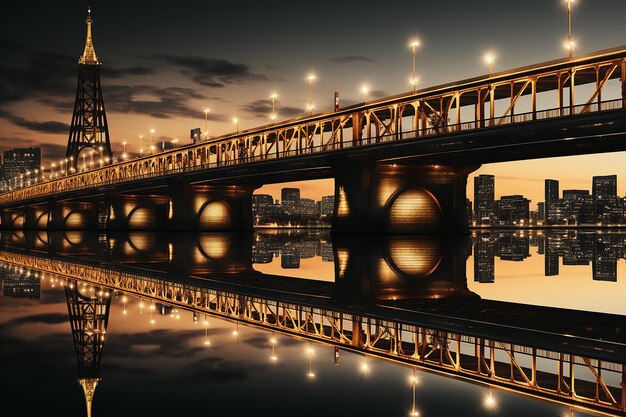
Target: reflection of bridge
[
  {"x": 561, "y": 355},
  {"x": 400, "y": 164}
]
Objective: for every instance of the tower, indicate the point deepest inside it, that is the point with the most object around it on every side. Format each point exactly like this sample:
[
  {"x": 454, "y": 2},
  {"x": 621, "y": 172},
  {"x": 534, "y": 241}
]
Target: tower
[
  {"x": 89, "y": 315},
  {"x": 89, "y": 127}
]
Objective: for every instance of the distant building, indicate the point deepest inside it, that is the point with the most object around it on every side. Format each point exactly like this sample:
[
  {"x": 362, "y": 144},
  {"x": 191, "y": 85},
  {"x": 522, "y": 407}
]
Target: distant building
[
  {"x": 328, "y": 206},
  {"x": 484, "y": 262},
  {"x": 306, "y": 207},
  {"x": 16, "y": 162},
  {"x": 512, "y": 210},
  {"x": 541, "y": 211},
  {"x": 577, "y": 207},
  {"x": 607, "y": 207},
  {"x": 290, "y": 199},
  {"x": 484, "y": 197},
  {"x": 551, "y": 199},
  {"x": 262, "y": 208}
]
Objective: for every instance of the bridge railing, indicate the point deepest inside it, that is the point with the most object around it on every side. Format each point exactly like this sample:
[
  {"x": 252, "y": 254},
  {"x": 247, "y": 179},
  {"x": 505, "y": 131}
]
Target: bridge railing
[{"x": 92, "y": 179}]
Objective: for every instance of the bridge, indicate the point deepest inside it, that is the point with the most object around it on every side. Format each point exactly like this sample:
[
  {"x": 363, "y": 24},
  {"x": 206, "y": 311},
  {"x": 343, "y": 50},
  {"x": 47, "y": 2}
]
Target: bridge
[
  {"x": 400, "y": 164},
  {"x": 569, "y": 357}
]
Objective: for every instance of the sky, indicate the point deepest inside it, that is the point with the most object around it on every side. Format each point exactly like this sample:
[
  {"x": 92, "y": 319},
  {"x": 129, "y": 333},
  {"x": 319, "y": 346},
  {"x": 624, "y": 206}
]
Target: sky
[{"x": 165, "y": 62}]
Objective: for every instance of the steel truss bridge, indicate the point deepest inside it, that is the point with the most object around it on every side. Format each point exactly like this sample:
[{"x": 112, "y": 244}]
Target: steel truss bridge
[
  {"x": 558, "y": 108},
  {"x": 576, "y": 372}
]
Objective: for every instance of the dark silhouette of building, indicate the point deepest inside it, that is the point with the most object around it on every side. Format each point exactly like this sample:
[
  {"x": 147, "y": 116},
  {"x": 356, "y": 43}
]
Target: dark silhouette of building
[
  {"x": 328, "y": 206},
  {"x": 607, "y": 207},
  {"x": 16, "y": 163},
  {"x": 484, "y": 259},
  {"x": 484, "y": 197},
  {"x": 289, "y": 199},
  {"x": 577, "y": 207},
  {"x": 551, "y": 199},
  {"x": 512, "y": 210}
]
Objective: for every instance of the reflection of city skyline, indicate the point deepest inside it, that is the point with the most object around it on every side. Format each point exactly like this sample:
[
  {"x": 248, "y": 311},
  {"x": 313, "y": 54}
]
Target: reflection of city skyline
[{"x": 600, "y": 250}]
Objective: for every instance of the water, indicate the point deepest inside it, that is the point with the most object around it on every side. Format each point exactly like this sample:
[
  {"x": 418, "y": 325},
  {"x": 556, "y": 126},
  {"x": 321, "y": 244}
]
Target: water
[{"x": 267, "y": 323}]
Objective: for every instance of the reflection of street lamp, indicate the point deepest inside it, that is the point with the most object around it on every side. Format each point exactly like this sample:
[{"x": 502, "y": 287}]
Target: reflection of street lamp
[
  {"x": 206, "y": 331},
  {"x": 273, "y": 97},
  {"x": 413, "y": 381},
  {"x": 311, "y": 78},
  {"x": 490, "y": 402},
  {"x": 413, "y": 45},
  {"x": 309, "y": 350},
  {"x": 273, "y": 358}
]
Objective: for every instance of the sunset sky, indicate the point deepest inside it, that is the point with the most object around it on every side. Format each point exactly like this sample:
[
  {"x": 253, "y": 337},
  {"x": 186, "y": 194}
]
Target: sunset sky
[{"x": 165, "y": 62}]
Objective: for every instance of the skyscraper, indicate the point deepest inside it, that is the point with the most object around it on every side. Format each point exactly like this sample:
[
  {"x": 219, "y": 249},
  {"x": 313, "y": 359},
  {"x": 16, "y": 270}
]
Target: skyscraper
[
  {"x": 552, "y": 198},
  {"x": 17, "y": 162},
  {"x": 606, "y": 207},
  {"x": 289, "y": 198},
  {"x": 484, "y": 194}
]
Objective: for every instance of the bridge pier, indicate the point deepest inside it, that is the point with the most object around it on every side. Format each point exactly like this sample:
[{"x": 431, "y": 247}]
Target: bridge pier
[
  {"x": 401, "y": 199},
  {"x": 211, "y": 208},
  {"x": 73, "y": 215},
  {"x": 137, "y": 212}
]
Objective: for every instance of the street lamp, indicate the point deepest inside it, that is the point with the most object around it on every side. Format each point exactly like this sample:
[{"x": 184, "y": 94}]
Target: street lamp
[
  {"x": 174, "y": 141},
  {"x": 365, "y": 90},
  {"x": 124, "y": 153},
  {"x": 311, "y": 78},
  {"x": 489, "y": 59},
  {"x": 413, "y": 45},
  {"x": 140, "y": 145},
  {"x": 236, "y": 122},
  {"x": 274, "y": 96},
  {"x": 570, "y": 43},
  {"x": 206, "y": 123}
]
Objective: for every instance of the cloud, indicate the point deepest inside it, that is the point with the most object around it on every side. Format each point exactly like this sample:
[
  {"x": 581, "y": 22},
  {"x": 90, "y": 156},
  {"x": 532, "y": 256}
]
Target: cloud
[
  {"x": 218, "y": 370},
  {"x": 161, "y": 103},
  {"x": 263, "y": 108},
  {"x": 160, "y": 342},
  {"x": 28, "y": 73},
  {"x": 109, "y": 72},
  {"x": 53, "y": 127},
  {"x": 50, "y": 318},
  {"x": 350, "y": 59},
  {"x": 211, "y": 72}
]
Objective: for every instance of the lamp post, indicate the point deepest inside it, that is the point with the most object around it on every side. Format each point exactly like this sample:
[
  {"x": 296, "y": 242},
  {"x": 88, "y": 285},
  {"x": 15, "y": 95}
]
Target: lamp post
[
  {"x": 365, "y": 90},
  {"x": 236, "y": 122},
  {"x": 489, "y": 60},
  {"x": 311, "y": 78},
  {"x": 151, "y": 133},
  {"x": 413, "y": 45},
  {"x": 206, "y": 123},
  {"x": 273, "y": 97},
  {"x": 174, "y": 141},
  {"x": 140, "y": 145},
  {"x": 570, "y": 43},
  {"x": 124, "y": 153}
]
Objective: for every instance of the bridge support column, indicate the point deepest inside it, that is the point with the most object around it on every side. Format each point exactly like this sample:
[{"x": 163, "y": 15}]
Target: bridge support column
[
  {"x": 13, "y": 219},
  {"x": 137, "y": 212},
  {"x": 211, "y": 207},
  {"x": 401, "y": 199},
  {"x": 36, "y": 217},
  {"x": 73, "y": 215}
]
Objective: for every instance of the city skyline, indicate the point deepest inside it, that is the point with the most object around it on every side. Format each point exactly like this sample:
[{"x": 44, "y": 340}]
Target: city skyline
[{"x": 167, "y": 88}]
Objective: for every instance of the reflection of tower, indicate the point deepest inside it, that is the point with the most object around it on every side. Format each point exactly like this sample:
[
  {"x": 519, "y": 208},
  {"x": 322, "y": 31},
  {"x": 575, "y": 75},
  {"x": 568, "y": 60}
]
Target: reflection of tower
[
  {"x": 89, "y": 127},
  {"x": 551, "y": 259},
  {"x": 89, "y": 316},
  {"x": 552, "y": 197},
  {"x": 484, "y": 263}
]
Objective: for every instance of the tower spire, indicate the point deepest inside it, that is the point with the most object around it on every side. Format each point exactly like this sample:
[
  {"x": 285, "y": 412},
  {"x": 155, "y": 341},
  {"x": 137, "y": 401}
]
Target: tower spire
[{"x": 89, "y": 56}]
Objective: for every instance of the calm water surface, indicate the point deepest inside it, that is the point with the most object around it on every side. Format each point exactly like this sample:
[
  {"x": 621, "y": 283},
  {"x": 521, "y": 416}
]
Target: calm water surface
[{"x": 161, "y": 347}]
